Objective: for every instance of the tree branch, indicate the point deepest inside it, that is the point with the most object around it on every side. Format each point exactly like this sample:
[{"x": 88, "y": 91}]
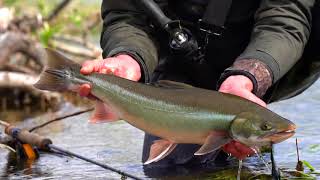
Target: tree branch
[{"x": 57, "y": 10}]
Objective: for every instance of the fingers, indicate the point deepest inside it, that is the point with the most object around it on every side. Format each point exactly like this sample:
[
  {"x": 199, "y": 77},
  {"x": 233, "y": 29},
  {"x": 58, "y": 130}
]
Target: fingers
[
  {"x": 243, "y": 149},
  {"x": 250, "y": 96},
  {"x": 89, "y": 67},
  {"x": 229, "y": 148},
  {"x": 84, "y": 90},
  {"x": 240, "y": 86},
  {"x": 237, "y": 81}
]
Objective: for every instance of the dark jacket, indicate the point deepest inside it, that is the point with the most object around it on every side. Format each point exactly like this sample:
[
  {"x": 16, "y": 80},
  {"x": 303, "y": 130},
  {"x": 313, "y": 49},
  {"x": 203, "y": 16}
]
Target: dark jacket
[
  {"x": 305, "y": 71},
  {"x": 273, "y": 32}
]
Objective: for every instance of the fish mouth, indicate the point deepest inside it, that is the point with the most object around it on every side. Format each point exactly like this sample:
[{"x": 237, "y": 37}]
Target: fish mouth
[{"x": 282, "y": 135}]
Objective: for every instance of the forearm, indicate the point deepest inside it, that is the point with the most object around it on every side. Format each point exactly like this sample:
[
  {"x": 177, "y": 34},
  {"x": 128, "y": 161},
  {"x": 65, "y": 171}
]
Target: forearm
[
  {"x": 278, "y": 39},
  {"x": 126, "y": 31}
]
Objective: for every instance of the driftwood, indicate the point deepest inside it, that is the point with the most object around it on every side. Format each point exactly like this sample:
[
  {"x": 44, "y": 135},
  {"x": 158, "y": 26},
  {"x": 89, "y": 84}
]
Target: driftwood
[
  {"x": 26, "y": 24},
  {"x": 76, "y": 47},
  {"x": 15, "y": 42},
  {"x": 20, "y": 93},
  {"x": 22, "y": 60},
  {"x": 13, "y": 79}
]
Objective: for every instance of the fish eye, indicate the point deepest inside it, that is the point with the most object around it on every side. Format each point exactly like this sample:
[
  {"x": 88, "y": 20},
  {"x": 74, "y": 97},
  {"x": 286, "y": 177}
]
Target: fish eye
[{"x": 266, "y": 127}]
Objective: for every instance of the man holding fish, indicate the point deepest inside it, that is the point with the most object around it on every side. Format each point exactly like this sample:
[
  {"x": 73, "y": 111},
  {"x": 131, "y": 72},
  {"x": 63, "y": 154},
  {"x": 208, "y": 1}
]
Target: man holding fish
[{"x": 260, "y": 43}]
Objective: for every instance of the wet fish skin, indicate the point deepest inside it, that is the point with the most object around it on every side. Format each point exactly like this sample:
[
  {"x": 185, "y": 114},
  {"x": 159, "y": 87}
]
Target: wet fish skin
[{"x": 176, "y": 112}]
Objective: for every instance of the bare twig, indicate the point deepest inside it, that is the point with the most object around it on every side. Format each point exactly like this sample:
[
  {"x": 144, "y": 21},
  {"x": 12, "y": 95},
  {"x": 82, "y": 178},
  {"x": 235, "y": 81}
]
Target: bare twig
[
  {"x": 20, "y": 69},
  {"x": 95, "y": 22},
  {"x": 297, "y": 148},
  {"x": 76, "y": 51},
  {"x": 57, "y": 10},
  {"x": 299, "y": 166},
  {"x": 76, "y": 40},
  {"x": 61, "y": 118}
]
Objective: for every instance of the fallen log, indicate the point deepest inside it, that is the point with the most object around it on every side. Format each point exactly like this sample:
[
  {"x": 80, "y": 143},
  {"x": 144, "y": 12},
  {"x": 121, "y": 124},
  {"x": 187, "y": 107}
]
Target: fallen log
[
  {"x": 14, "y": 80},
  {"x": 20, "y": 93},
  {"x": 13, "y": 42}
]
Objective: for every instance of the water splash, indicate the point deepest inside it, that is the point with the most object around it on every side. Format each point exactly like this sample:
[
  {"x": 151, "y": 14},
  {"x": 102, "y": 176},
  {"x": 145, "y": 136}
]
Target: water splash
[
  {"x": 258, "y": 153},
  {"x": 239, "y": 170}
]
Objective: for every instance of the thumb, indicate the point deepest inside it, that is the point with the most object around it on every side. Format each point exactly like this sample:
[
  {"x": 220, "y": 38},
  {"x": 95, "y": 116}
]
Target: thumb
[
  {"x": 250, "y": 96},
  {"x": 87, "y": 67}
]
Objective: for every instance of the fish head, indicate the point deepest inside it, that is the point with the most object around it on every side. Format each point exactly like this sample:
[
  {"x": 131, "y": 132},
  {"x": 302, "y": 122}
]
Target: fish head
[{"x": 253, "y": 129}]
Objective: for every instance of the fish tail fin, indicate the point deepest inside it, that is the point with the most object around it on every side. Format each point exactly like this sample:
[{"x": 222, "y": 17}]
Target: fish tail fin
[{"x": 58, "y": 72}]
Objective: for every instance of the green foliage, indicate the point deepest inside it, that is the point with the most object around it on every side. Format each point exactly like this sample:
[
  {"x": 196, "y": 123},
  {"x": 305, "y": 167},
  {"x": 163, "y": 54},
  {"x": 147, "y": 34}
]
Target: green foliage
[
  {"x": 47, "y": 32},
  {"x": 306, "y": 163},
  {"x": 43, "y": 7},
  {"x": 314, "y": 148},
  {"x": 76, "y": 18},
  {"x": 9, "y": 2},
  {"x": 71, "y": 20}
]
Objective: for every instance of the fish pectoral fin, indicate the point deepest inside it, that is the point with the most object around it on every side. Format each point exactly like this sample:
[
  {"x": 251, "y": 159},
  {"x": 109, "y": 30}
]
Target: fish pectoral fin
[
  {"x": 103, "y": 113},
  {"x": 171, "y": 84},
  {"x": 160, "y": 149},
  {"x": 213, "y": 142}
]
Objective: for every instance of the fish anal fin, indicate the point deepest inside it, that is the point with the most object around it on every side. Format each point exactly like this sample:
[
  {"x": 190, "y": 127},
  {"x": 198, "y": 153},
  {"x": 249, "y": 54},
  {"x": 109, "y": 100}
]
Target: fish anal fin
[
  {"x": 159, "y": 150},
  {"x": 171, "y": 84},
  {"x": 213, "y": 142},
  {"x": 103, "y": 113}
]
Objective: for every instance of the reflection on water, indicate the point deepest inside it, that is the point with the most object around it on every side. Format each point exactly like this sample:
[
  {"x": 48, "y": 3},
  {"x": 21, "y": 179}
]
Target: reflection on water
[
  {"x": 119, "y": 145},
  {"x": 304, "y": 111}
]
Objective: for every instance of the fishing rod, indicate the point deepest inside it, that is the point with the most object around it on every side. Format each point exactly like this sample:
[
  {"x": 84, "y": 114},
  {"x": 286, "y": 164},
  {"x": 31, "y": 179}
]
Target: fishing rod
[
  {"x": 46, "y": 144},
  {"x": 60, "y": 118}
]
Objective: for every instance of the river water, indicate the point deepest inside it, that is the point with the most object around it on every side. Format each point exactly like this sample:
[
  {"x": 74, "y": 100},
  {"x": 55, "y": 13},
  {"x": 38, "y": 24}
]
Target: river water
[{"x": 119, "y": 145}]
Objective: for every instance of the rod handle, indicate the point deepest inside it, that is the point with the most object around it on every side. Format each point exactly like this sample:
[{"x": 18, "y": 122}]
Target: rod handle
[{"x": 29, "y": 138}]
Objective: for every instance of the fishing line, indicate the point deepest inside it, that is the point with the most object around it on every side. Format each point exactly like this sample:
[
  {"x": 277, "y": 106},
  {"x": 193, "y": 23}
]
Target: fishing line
[
  {"x": 60, "y": 118},
  {"x": 51, "y": 146},
  {"x": 258, "y": 153},
  {"x": 239, "y": 170},
  {"x": 46, "y": 144}
]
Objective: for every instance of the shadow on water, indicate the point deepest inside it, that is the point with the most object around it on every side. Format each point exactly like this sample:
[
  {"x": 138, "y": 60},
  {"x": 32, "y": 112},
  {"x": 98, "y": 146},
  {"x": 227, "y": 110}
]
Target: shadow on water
[{"x": 120, "y": 145}]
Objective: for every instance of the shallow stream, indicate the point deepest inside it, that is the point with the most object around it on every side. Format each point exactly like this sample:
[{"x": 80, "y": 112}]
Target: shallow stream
[{"x": 119, "y": 145}]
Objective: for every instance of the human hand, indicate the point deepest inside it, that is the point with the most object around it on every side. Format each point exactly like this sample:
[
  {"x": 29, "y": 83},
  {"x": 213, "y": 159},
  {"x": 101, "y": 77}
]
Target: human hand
[
  {"x": 241, "y": 86},
  {"x": 121, "y": 65}
]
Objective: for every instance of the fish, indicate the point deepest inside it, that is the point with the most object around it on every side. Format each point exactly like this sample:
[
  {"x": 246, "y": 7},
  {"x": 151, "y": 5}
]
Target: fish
[{"x": 178, "y": 113}]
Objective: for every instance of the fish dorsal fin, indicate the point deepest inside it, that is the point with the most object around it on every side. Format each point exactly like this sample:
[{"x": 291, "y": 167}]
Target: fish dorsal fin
[
  {"x": 56, "y": 60},
  {"x": 103, "y": 113},
  {"x": 171, "y": 84},
  {"x": 160, "y": 149},
  {"x": 213, "y": 142}
]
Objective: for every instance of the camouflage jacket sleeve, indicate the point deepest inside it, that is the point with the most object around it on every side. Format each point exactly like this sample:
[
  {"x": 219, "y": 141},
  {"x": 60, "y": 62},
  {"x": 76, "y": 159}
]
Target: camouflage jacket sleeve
[
  {"x": 127, "y": 30},
  {"x": 281, "y": 31}
]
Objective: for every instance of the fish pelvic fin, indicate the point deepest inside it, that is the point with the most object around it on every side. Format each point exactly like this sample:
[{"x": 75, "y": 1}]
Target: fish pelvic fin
[
  {"x": 57, "y": 73},
  {"x": 159, "y": 150},
  {"x": 103, "y": 113},
  {"x": 214, "y": 141}
]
